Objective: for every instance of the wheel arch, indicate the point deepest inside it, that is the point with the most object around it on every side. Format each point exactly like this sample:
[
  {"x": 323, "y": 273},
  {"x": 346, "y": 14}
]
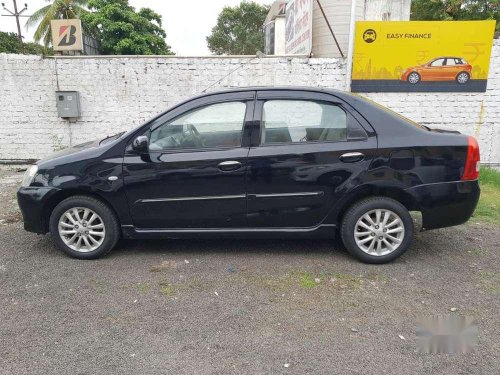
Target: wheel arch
[
  {"x": 396, "y": 193},
  {"x": 61, "y": 195}
]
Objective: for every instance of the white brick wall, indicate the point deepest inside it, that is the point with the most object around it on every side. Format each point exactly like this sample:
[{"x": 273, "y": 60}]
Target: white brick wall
[{"x": 118, "y": 93}]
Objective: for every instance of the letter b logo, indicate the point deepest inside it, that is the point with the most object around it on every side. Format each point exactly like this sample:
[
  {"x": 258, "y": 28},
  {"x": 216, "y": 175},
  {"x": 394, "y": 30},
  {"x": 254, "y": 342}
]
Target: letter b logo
[{"x": 67, "y": 35}]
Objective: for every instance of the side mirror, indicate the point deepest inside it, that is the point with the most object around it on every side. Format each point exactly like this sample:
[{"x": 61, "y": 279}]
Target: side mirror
[{"x": 140, "y": 143}]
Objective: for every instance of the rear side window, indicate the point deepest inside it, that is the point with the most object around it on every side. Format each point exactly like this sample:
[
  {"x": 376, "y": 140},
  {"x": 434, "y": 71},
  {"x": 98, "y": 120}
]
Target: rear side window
[
  {"x": 453, "y": 61},
  {"x": 296, "y": 121}
]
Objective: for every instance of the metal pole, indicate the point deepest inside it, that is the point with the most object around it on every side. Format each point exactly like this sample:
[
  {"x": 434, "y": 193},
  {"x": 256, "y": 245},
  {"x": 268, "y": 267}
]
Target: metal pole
[
  {"x": 17, "y": 14},
  {"x": 331, "y": 31},
  {"x": 19, "y": 35},
  {"x": 350, "y": 51}
]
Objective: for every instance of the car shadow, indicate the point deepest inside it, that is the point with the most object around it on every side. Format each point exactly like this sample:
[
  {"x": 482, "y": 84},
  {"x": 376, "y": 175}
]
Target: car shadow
[{"x": 228, "y": 246}]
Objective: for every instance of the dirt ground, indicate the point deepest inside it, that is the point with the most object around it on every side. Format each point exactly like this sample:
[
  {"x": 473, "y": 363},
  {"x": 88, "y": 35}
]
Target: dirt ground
[{"x": 241, "y": 306}]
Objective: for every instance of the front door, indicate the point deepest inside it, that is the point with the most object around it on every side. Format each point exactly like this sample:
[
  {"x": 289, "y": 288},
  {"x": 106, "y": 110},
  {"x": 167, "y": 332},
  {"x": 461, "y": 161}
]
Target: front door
[
  {"x": 194, "y": 173},
  {"x": 310, "y": 149}
]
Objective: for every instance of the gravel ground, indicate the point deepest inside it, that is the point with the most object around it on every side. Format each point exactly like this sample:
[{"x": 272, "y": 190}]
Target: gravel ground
[{"x": 241, "y": 306}]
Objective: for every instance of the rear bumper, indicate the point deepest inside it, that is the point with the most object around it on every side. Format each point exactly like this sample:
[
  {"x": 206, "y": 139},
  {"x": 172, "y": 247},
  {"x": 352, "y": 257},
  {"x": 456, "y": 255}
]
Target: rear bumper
[
  {"x": 446, "y": 204},
  {"x": 31, "y": 201}
]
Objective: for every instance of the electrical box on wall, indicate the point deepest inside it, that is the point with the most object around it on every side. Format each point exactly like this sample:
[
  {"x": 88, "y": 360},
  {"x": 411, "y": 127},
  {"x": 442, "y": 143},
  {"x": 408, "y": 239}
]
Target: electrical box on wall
[{"x": 68, "y": 104}]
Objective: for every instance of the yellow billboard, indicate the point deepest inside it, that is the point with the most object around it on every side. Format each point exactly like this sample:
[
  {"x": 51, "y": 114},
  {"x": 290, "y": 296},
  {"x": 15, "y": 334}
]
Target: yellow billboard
[{"x": 422, "y": 56}]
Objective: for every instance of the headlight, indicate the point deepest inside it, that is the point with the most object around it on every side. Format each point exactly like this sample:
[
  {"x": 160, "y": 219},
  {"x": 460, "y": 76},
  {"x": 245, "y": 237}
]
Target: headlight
[{"x": 29, "y": 175}]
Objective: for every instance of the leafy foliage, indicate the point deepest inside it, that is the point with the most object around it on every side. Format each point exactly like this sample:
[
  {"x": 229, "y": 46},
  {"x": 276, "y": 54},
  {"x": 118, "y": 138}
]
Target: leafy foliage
[
  {"x": 239, "y": 30},
  {"x": 121, "y": 30},
  {"x": 436, "y": 10},
  {"x": 9, "y": 43},
  {"x": 488, "y": 208},
  {"x": 58, "y": 9}
]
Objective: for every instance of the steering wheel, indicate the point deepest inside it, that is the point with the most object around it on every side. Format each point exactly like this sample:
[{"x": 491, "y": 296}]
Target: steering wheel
[{"x": 196, "y": 135}]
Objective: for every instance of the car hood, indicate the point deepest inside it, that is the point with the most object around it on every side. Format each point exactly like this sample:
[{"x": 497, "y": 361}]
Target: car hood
[
  {"x": 81, "y": 151},
  {"x": 416, "y": 67},
  {"x": 71, "y": 150}
]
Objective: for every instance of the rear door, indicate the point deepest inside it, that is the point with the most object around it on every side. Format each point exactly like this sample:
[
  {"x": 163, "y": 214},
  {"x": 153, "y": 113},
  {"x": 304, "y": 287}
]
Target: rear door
[
  {"x": 451, "y": 69},
  {"x": 193, "y": 175},
  {"x": 310, "y": 148}
]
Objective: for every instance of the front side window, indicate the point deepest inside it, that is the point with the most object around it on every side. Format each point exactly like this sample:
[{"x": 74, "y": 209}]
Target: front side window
[
  {"x": 438, "y": 62},
  {"x": 215, "y": 125},
  {"x": 295, "y": 121}
]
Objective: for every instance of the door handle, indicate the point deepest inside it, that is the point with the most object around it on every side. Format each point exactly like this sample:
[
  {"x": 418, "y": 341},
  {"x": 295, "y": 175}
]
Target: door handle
[
  {"x": 351, "y": 157},
  {"x": 230, "y": 165}
]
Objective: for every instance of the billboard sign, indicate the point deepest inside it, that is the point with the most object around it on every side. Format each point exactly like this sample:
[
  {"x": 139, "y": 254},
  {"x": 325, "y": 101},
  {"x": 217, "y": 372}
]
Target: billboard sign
[
  {"x": 67, "y": 35},
  {"x": 298, "y": 39},
  {"x": 422, "y": 56}
]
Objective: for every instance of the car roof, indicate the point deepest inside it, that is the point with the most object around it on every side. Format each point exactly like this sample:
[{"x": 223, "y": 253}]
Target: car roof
[{"x": 338, "y": 93}]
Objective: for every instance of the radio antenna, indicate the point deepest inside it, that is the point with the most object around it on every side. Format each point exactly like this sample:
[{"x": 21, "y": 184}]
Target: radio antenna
[{"x": 258, "y": 55}]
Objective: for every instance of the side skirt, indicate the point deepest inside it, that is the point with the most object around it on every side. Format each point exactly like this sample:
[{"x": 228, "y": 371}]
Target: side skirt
[{"x": 321, "y": 231}]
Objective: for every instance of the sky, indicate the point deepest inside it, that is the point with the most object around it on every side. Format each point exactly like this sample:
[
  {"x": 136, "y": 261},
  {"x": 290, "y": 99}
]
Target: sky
[{"x": 186, "y": 22}]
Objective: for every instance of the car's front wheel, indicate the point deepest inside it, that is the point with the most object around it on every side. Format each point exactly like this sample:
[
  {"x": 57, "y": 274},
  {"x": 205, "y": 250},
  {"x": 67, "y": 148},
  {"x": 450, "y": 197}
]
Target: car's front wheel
[
  {"x": 377, "y": 230},
  {"x": 413, "y": 78},
  {"x": 463, "y": 77},
  {"x": 84, "y": 227}
]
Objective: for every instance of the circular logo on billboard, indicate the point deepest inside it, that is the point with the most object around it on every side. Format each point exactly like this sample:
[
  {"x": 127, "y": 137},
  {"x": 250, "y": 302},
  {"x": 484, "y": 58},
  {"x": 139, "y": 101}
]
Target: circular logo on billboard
[{"x": 369, "y": 35}]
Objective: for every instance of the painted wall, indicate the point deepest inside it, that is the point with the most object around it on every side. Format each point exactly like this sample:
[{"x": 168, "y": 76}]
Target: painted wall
[
  {"x": 386, "y": 10},
  {"x": 338, "y": 13}
]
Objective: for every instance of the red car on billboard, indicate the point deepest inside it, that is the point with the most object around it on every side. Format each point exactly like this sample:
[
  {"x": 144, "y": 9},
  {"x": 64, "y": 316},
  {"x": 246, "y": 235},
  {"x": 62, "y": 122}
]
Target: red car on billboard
[{"x": 439, "y": 69}]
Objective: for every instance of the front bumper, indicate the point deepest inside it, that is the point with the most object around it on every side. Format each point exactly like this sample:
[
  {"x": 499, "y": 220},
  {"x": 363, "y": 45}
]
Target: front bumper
[
  {"x": 446, "y": 204},
  {"x": 32, "y": 202}
]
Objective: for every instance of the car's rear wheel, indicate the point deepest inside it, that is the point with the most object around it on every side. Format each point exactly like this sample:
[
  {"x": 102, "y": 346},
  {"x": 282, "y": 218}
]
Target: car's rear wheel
[
  {"x": 84, "y": 227},
  {"x": 463, "y": 77},
  {"x": 413, "y": 78},
  {"x": 377, "y": 230}
]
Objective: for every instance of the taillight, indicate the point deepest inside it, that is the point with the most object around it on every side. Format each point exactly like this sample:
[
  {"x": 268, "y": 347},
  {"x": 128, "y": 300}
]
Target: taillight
[{"x": 471, "y": 170}]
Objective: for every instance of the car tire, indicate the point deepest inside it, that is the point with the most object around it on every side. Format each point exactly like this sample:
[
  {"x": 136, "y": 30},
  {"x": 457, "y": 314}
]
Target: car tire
[
  {"x": 413, "y": 78},
  {"x": 92, "y": 222},
  {"x": 462, "y": 78},
  {"x": 358, "y": 239}
]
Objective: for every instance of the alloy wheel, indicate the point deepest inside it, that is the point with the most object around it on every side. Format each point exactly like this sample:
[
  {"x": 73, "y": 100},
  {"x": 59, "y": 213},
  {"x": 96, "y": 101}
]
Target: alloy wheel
[
  {"x": 462, "y": 78},
  {"x": 81, "y": 229},
  {"x": 413, "y": 78},
  {"x": 379, "y": 232}
]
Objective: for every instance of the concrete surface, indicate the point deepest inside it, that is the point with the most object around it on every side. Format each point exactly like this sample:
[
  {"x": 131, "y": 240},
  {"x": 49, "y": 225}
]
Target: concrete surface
[{"x": 241, "y": 306}]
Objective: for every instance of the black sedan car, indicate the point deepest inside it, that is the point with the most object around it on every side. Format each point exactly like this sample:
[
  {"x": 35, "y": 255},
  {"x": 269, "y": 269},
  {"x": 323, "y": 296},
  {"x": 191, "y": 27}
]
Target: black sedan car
[{"x": 257, "y": 162}]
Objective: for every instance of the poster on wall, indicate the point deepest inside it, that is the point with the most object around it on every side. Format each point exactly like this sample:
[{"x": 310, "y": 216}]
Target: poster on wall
[
  {"x": 422, "y": 56},
  {"x": 298, "y": 29},
  {"x": 67, "y": 35}
]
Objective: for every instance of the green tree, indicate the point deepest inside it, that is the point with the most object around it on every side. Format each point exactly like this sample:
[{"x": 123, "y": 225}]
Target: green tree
[
  {"x": 437, "y": 10},
  {"x": 57, "y": 9},
  {"x": 239, "y": 30},
  {"x": 121, "y": 30},
  {"x": 9, "y": 43}
]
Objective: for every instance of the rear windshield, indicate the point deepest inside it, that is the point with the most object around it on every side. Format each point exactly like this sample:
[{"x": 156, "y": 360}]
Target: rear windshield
[{"x": 391, "y": 112}]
